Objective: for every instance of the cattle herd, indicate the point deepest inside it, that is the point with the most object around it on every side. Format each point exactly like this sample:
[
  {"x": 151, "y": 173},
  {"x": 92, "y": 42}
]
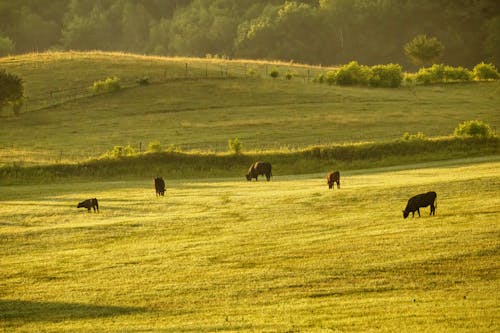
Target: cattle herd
[{"x": 264, "y": 169}]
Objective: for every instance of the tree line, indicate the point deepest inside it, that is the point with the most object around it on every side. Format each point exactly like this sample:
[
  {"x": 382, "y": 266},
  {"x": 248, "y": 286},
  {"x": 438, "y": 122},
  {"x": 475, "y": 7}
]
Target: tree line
[{"x": 326, "y": 32}]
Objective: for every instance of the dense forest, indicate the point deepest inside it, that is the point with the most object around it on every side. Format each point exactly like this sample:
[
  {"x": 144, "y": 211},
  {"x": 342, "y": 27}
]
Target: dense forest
[{"x": 326, "y": 32}]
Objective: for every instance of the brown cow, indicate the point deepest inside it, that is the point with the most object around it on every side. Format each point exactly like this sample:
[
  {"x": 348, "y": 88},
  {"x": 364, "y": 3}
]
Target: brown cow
[
  {"x": 333, "y": 177},
  {"x": 259, "y": 168}
]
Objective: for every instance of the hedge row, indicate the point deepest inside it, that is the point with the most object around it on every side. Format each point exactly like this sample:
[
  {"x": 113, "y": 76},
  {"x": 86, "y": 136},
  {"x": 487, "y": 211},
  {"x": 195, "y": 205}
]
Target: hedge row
[{"x": 391, "y": 75}]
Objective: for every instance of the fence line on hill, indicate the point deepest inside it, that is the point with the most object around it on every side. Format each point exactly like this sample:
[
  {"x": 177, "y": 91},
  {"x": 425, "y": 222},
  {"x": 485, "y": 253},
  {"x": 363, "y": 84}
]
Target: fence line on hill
[{"x": 184, "y": 71}]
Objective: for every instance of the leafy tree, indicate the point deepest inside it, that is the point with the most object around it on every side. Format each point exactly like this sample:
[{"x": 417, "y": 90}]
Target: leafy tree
[
  {"x": 11, "y": 88},
  {"x": 423, "y": 51}
]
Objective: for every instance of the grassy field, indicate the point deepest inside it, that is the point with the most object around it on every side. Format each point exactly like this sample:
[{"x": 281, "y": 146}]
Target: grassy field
[
  {"x": 63, "y": 123},
  {"x": 229, "y": 255}
]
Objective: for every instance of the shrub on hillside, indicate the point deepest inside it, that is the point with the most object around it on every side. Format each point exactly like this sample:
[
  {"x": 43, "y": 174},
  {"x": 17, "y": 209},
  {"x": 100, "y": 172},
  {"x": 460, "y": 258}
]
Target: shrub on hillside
[
  {"x": 331, "y": 77},
  {"x": 234, "y": 146},
  {"x": 274, "y": 74},
  {"x": 484, "y": 71},
  {"x": 121, "y": 151},
  {"x": 110, "y": 84},
  {"x": 353, "y": 74},
  {"x": 413, "y": 137},
  {"x": 474, "y": 128},
  {"x": 457, "y": 74},
  {"x": 288, "y": 75},
  {"x": 154, "y": 147},
  {"x": 387, "y": 76}
]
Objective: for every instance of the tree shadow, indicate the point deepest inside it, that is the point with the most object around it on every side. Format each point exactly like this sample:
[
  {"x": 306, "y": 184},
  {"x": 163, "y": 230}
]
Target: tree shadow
[{"x": 30, "y": 311}]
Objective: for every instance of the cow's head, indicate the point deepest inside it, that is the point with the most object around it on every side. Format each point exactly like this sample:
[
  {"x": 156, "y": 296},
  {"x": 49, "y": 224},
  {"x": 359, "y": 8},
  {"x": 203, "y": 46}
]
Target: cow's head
[
  {"x": 405, "y": 214},
  {"x": 249, "y": 176}
]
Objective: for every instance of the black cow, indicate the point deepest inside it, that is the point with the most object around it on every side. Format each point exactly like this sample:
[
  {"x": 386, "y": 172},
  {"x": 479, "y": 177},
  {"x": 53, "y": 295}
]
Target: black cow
[
  {"x": 89, "y": 203},
  {"x": 159, "y": 186},
  {"x": 259, "y": 168},
  {"x": 420, "y": 200},
  {"x": 333, "y": 177}
]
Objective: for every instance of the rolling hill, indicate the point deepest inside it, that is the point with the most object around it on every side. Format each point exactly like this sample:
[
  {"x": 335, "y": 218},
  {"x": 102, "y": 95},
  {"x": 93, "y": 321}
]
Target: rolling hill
[{"x": 198, "y": 104}]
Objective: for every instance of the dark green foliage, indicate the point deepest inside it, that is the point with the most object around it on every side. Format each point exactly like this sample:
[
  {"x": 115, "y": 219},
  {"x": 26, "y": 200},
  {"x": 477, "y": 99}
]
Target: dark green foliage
[
  {"x": 274, "y": 73},
  {"x": 474, "y": 128},
  {"x": 320, "y": 32},
  {"x": 11, "y": 88}
]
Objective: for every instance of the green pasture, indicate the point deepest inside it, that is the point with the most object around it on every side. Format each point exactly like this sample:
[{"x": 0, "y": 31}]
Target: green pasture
[
  {"x": 282, "y": 256},
  {"x": 62, "y": 122}
]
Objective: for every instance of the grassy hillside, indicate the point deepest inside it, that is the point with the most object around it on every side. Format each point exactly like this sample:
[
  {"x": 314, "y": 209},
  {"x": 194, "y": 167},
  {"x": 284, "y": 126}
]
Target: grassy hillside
[
  {"x": 213, "y": 101},
  {"x": 228, "y": 255}
]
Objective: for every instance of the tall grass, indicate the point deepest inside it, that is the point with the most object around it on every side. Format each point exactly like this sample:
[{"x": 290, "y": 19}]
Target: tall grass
[{"x": 176, "y": 165}]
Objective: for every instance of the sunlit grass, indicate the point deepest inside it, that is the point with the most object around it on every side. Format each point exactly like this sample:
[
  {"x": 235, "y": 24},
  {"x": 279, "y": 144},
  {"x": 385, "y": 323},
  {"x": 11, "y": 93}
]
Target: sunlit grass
[{"x": 285, "y": 255}]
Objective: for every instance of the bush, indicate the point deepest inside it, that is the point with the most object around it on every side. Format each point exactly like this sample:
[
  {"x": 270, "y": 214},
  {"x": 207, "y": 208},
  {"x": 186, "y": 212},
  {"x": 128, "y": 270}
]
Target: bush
[
  {"x": 108, "y": 85},
  {"x": 288, "y": 75},
  {"x": 353, "y": 74},
  {"x": 387, "y": 76},
  {"x": 274, "y": 74},
  {"x": 457, "y": 74},
  {"x": 474, "y": 128},
  {"x": 320, "y": 78},
  {"x": 11, "y": 88},
  {"x": 234, "y": 145},
  {"x": 413, "y": 137},
  {"x": 121, "y": 151},
  {"x": 154, "y": 147},
  {"x": 331, "y": 77},
  {"x": 484, "y": 71}
]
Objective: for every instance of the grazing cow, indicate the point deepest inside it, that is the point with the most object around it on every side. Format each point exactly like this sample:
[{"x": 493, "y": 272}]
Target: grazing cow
[
  {"x": 159, "y": 186},
  {"x": 418, "y": 201},
  {"x": 259, "y": 168},
  {"x": 89, "y": 203},
  {"x": 333, "y": 177}
]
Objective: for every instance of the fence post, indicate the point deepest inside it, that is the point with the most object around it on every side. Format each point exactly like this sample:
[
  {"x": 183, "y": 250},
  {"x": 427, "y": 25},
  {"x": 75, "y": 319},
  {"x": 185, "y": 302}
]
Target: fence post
[{"x": 186, "y": 74}]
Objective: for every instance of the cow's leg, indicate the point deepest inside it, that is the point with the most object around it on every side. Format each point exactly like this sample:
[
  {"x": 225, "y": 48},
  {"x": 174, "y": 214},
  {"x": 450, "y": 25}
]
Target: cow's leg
[
  {"x": 418, "y": 211},
  {"x": 268, "y": 177},
  {"x": 433, "y": 210},
  {"x": 88, "y": 210},
  {"x": 338, "y": 184}
]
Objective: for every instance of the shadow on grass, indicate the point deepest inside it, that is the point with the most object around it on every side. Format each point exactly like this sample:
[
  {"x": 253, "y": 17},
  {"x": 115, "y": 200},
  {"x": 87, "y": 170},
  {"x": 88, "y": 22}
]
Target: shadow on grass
[{"x": 29, "y": 311}]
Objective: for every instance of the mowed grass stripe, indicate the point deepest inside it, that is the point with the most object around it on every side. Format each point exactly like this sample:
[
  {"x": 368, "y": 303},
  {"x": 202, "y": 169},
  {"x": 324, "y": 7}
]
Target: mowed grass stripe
[{"x": 232, "y": 255}]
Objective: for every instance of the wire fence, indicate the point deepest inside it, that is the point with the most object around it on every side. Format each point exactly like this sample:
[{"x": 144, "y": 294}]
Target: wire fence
[{"x": 180, "y": 71}]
